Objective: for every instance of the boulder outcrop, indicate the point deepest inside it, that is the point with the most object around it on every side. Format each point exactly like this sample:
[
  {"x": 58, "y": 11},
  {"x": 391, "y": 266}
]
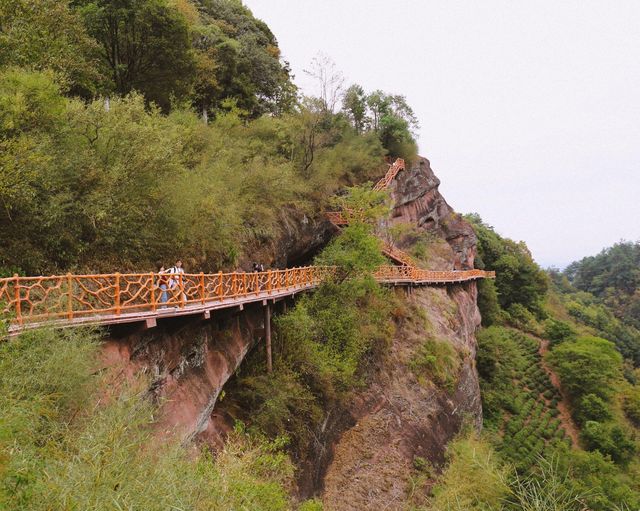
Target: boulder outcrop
[{"x": 417, "y": 200}]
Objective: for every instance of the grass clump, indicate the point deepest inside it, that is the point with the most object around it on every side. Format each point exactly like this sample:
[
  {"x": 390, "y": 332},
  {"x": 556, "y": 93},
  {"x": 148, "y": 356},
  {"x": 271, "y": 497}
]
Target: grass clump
[
  {"x": 438, "y": 361},
  {"x": 474, "y": 479}
]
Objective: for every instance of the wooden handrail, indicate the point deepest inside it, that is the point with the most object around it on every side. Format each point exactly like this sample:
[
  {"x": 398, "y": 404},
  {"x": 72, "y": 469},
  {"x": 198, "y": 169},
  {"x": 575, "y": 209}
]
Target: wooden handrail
[
  {"x": 384, "y": 182},
  {"x": 67, "y": 297}
]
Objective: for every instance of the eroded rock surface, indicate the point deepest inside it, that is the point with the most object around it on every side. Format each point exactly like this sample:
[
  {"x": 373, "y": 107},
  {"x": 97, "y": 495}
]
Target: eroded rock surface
[
  {"x": 188, "y": 363},
  {"x": 418, "y": 201},
  {"x": 401, "y": 417}
]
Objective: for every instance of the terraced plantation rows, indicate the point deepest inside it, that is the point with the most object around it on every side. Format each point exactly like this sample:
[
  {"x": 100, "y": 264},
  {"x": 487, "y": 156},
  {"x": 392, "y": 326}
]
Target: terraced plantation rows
[{"x": 520, "y": 402}]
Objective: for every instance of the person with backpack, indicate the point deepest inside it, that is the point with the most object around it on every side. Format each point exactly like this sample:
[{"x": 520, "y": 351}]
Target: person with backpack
[
  {"x": 176, "y": 270},
  {"x": 163, "y": 283}
]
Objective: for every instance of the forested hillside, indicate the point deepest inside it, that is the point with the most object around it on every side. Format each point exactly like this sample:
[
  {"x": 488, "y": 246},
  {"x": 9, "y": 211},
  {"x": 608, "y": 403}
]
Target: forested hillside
[
  {"x": 137, "y": 132},
  {"x": 613, "y": 276},
  {"x": 560, "y": 385}
]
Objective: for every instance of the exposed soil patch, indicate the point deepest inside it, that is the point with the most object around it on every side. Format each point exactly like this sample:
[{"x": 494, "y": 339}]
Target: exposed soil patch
[{"x": 563, "y": 406}]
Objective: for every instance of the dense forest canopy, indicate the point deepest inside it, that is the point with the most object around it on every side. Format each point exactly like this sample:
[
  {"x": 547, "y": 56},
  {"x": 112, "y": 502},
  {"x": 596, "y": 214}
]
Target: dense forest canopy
[{"x": 613, "y": 276}]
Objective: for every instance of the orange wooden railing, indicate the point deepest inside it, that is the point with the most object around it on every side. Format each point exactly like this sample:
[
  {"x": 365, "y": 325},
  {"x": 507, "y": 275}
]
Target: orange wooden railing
[
  {"x": 397, "y": 255},
  {"x": 70, "y": 297},
  {"x": 384, "y": 182},
  {"x": 339, "y": 219},
  {"x": 336, "y": 218},
  {"x": 419, "y": 276},
  {"x": 74, "y": 296}
]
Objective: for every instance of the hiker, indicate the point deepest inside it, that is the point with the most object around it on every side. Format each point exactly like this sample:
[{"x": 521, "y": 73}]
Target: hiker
[
  {"x": 162, "y": 284},
  {"x": 176, "y": 269}
]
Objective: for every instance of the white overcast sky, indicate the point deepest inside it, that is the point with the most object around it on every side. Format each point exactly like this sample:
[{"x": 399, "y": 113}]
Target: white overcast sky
[{"x": 529, "y": 109}]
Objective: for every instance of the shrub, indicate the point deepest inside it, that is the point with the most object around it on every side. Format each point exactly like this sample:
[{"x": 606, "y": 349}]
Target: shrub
[
  {"x": 587, "y": 365},
  {"x": 521, "y": 318},
  {"x": 608, "y": 439},
  {"x": 473, "y": 480},
  {"x": 558, "y": 331},
  {"x": 591, "y": 408},
  {"x": 311, "y": 505},
  {"x": 439, "y": 361},
  {"x": 631, "y": 405}
]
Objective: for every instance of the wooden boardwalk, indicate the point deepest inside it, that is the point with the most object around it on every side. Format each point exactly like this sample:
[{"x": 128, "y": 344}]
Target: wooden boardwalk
[{"x": 70, "y": 300}]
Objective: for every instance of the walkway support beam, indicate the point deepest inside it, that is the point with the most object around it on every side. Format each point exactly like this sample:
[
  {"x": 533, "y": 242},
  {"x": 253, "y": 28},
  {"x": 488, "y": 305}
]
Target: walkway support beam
[{"x": 267, "y": 336}]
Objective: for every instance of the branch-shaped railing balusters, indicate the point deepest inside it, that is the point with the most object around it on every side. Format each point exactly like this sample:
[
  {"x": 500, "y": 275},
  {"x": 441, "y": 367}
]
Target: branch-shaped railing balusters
[{"x": 38, "y": 299}]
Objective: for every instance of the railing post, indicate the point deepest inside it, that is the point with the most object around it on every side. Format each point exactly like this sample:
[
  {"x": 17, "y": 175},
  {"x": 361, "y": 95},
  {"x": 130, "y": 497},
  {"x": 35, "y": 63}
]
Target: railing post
[
  {"x": 117, "y": 294},
  {"x": 17, "y": 298},
  {"x": 220, "y": 287},
  {"x": 234, "y": 284},
  {"x": 183, "y": 297},
  {"x": 152, "y": 290},
  {"x": 202, "y": 297},
  {"x": 268, "y": 282},
  {"x": 69, "y": 296},
  {"x": 244, "y": 283}
]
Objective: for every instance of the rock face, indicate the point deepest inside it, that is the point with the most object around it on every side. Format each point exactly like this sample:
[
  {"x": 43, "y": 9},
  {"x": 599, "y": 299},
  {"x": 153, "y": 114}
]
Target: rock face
[
  {"x": 402, "y": 418},
  {"x": 188, "y": 362},
  {"x": 301, "y": 237},
  {"x": 418, "y": 201}
]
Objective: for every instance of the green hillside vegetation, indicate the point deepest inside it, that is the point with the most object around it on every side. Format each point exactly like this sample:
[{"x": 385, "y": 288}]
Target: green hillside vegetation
[
  {"x": 66, "y": 444},
  {"x": 613, "y": 276},
  {"x": 90, "y": 185},
  {"x": 518, "y": 292},
  {"x": 594, "y": 355}
]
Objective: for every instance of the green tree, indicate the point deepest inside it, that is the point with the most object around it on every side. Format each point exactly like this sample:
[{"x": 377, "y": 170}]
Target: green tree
[
  {"x": 591, "y": 408},
  {"x": 609, "y": 440},
  {"x": 48, "y": 35},
  {"x": 145, "y": 44},
  {"x": 587, "y": 365},
  {"x": 519, "y": 280},
  {"x": 388, "y": 116},
  {"x": 631, "y": 405},
  {"x": 356, "y": 252},
  {"x": 613, "y": 276},
  {"x": 558, "y": 331},
  {"x": 354, "y": 104},
  {"x": 238, "y": 58},
  {"x": 488, "y": 302}
]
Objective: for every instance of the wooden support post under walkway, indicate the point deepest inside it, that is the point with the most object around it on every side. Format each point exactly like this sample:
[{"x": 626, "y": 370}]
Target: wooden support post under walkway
[{"x": 267, "y": 335}]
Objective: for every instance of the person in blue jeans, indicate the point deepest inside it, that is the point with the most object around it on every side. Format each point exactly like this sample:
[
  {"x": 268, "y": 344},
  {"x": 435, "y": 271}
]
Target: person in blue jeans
[{"x": 163, "y": 282}]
